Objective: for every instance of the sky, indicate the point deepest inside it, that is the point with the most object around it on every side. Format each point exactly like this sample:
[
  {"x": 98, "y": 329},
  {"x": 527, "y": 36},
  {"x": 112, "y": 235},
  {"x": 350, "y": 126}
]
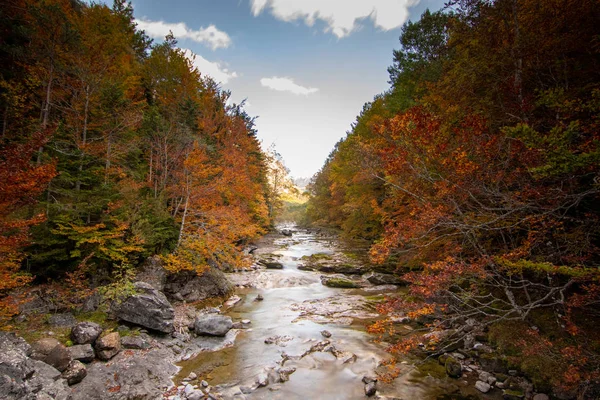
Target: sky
[{"x": 304, "y": 67}]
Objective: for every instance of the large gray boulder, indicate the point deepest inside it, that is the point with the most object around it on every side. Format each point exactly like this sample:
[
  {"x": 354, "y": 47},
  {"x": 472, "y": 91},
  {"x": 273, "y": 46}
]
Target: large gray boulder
[
  {"x": 189, "y": 286},
  {"x": 212, "y": 325},
  {"x": 82, "y": 352},
  {"x": 148, "y": 308},
  {"x": 24, "y": 378},
  {"x": 85, "y": 332}
]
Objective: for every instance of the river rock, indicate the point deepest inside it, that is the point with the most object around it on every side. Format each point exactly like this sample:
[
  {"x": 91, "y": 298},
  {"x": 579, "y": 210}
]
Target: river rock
[
  {"x": 212, "y": 325},
  {"x": 134, "y": 342},
  {"x": 59, "y": 357},
  {"x": 148, "y": 308},
  {"x": 82, "y": 352},
  {"x": 287, "y": 232},
  {"x": 259, "y": 297},
  {"x": 85, "y": 332},
  {"x": 370, "y": 389},
  {"x": 193, "y": 287},
  {"x": 75, "y": 372},
  {"x": 326, "y": 333},
  {"x": 338, "y": 282},
  {"x": 108, "y": 346},
  {"x": 43, "y": 347},
  {"x": 453, "y": 368},
  {"x": 483, "y": 387}
]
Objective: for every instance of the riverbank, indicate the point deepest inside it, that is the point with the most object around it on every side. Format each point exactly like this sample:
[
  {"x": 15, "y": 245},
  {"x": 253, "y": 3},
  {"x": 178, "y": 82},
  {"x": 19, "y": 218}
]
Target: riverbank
[{"x": 287, "y": 334}]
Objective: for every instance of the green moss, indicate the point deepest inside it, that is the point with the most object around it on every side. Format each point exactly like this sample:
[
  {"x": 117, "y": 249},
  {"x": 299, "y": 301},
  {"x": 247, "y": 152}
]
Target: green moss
[
  {"x": 99, "y": 317},
  {"x": 341, "y": 283},
  {"x": 432, "y": 368}
]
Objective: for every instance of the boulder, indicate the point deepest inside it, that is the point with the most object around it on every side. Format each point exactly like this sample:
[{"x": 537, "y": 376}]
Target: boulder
[
  {"x": 134, "y": 342},
  {"x": 148, "y": 308},
  {"x": 287, "y": 232},
  {"x": 75, "y": 372},
  {"x": 63, "y": 320},
  {"x": 59, "y": 357},
  {"x": 212, "y": 325},
  {"x": 337, "y": 282},
  {"x": 108, "y": 346},
  {"x": 482, "y": 386},
  {"x": 82, "y": 352},
  {"x": 271, "y": 264},
  {"x": 453, "y": 368},
  {"x": 24, "y": 378},
  {"x": 191, "y": 287},
  {"x": 85, "y": 332},
  {"x": 43, "y": 347}
]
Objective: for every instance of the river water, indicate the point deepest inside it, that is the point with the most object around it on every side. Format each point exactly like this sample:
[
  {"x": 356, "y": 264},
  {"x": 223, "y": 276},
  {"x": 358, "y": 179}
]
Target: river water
[{"x": 298, "y": 307}]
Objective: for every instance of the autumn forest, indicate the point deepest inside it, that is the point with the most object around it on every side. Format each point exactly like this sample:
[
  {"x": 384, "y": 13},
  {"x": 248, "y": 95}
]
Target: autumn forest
[{"x": 475, "y": 178}]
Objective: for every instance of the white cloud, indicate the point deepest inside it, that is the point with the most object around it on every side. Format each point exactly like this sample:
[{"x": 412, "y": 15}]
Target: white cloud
[
  {"x": 286, "y": 85},
  {"x": 211, "y": 36},
  {"x": 215, "y": 70},
  {"x": 340, "y": 15}
]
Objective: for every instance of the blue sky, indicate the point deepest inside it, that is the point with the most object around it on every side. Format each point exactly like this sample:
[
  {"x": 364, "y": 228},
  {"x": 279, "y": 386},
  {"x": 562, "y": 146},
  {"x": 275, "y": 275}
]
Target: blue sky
[{"x": 306, "y": 67}]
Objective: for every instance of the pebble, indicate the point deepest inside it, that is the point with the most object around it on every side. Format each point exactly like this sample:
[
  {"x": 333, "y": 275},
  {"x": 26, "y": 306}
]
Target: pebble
[
  {"x": 204, "y": 383},
  {"x": 326, "y": 333},
  {"x": 192, "y": 376}
]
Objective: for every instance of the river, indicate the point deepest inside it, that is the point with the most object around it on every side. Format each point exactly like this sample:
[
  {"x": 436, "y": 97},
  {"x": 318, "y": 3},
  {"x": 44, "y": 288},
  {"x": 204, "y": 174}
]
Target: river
[{"x": 295, "y": 309}]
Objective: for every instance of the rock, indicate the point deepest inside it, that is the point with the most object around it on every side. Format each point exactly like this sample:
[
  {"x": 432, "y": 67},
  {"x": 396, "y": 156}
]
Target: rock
[
  {"x": 75, "y": 372},
  {"x": 153, "y": 273},
  {"x": 232, "y": 301},
  {"x": 483, "y": 387},
  {"x": 262, "y": 379},
  {"x": 192, "y": 376},
  {"x": 43, "y": 347},
  {"x": 326, "y": 333},
  {"x": 541, "y": 396},
  {"x": 193, "y": 287},
  {"x": 148, "y": 308},
  {"x": 287, "y": 232},
  {"x": 85, "y": 332},
  {"x": 370, "y": 389},
  {"x": 212, "y": 325},
  {"x": 377, "y": 278},
  {"x": 82, "y": 352},
  {"x": 64, "y": 319},
  {"x": 91, "y": 303},
  {"x": 204, "y": 384},
  {"x": 108, "y": 346},
  {"x": 134, "y": 342},
  {"x": 246, "y": 389},
  {"x": 284, "y": 373},
  {"x": 59, "y": 357},
  {"x": 484, "y": 376},
  {"x": 259, "y": 297},
  {"x": 453, "y": 368},
  {"x": 337, "y": 282},
  {"x": 368, "y": 379},
  {"x": 279, "y": 340},
  {"x": 196, "y": 395}
]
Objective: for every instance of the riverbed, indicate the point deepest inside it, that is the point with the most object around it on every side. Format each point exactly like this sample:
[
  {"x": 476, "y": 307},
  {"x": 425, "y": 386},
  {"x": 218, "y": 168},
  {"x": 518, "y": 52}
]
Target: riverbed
[{"x": 295, "y": 310}]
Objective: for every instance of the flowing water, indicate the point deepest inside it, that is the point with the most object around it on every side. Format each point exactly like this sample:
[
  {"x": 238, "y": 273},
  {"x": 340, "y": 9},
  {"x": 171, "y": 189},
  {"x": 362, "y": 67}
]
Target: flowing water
[{"x": 298, "y": 307}]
